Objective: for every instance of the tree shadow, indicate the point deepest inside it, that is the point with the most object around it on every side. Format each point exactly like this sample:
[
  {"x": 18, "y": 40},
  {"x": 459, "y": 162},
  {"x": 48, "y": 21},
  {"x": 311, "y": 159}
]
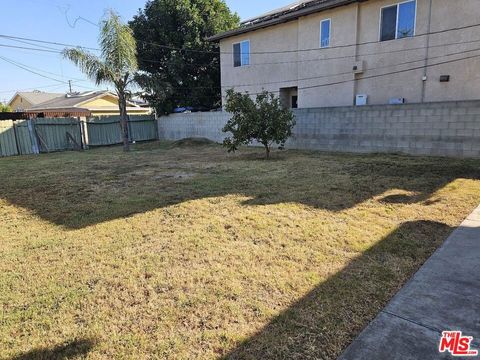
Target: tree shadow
[
  {"x": 70, "y": 350},
  {"x": 324, "y": 322},
  {"x": 80, "y": 190}
]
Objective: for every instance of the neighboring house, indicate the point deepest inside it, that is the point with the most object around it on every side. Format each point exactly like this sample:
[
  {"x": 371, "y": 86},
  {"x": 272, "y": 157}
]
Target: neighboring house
[
  {"x": 326, "y": 52},
  {"x": 25, "y": 100},
  {"x": 97, "y": 103}
]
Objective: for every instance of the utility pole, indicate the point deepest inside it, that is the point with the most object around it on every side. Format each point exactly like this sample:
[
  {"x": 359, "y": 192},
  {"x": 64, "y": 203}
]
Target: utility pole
[{"x": 70, "y": 85}]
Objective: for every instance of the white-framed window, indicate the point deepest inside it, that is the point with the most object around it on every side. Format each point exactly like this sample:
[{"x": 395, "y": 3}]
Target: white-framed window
[
  {"x": 325, "y": 32},
  {"x": 241, "y": 53},
  {"x": 398, "y": 21}
]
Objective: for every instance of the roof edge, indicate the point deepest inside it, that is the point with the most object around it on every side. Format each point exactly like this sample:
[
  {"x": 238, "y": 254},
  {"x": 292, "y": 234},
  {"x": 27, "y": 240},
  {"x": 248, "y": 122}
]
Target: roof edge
[{"x": 283, "y": 18}]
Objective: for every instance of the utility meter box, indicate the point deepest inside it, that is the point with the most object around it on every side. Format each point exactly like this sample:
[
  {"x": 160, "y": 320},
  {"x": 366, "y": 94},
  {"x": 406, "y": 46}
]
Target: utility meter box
[
  {"x": 359, "y": 67},
  {"x": 397, "y": 101},
  {"x": 361, "y": 100}
]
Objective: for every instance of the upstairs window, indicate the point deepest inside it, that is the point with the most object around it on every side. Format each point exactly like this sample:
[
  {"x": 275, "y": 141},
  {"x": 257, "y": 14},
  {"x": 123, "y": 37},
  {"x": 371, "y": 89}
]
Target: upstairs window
[
  {"x": 325, "y": 33},
  {"x": 398, "y": 21},
  {"x": 241, "y": 54}
]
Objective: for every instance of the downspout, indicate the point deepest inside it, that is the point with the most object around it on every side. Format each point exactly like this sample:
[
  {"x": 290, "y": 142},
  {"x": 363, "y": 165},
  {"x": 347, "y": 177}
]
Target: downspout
[
  {"x": 298, "y": 59},
  {"x": 357, "y": 40},
  {"x": 427, "y": 53}
]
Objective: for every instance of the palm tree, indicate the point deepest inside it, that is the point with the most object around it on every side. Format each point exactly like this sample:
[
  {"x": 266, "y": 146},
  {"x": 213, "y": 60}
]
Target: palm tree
[{"x": 117, "y": 63}]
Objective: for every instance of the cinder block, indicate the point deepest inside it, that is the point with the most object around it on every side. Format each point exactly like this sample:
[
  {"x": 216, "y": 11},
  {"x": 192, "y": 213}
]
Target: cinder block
[
  {"x": 458, "y": 111},
  {"x": 427, "y": 112}
]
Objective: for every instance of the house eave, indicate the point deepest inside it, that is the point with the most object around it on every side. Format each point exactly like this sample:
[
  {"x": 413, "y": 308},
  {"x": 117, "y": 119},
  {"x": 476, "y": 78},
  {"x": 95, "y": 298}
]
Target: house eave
[{"x": 282, "y": 19}]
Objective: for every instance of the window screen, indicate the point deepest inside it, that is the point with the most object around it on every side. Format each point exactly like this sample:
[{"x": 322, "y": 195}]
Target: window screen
[{"x": 325, "y": 33}]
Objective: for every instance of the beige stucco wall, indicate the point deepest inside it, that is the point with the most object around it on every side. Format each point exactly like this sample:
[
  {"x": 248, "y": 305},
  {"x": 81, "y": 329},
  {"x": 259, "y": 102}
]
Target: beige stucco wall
[
  {"x": 384, "y": 62},
  {"x": 108, "y": 105},
  {"x": 113, "y": 112},
  {"x": 19, "y": 103}
]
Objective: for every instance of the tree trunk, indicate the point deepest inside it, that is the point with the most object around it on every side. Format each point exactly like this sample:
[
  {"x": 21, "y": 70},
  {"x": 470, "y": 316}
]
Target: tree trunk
[
  {"x": 267, "y": 151},
  {"x": 122, "y": 104}
]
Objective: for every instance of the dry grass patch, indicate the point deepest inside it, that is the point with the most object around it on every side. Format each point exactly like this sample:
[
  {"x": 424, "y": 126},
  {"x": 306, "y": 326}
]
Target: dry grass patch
[{"x": 184, "y": 252}]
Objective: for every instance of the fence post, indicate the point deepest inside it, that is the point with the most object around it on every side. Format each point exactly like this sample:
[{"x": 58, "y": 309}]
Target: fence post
[
  {"x": 16, "y": 137},
  {"x": 83, "y": 132},
  {"x": 33, "y": 137},
  {"x": 130, "y": 135},
  {"x": 156, "y": 124}
]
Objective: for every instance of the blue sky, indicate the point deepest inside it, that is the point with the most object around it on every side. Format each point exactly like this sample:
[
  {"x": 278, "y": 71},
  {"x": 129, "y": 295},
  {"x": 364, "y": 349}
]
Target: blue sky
[{"x": 68, "y": 21}]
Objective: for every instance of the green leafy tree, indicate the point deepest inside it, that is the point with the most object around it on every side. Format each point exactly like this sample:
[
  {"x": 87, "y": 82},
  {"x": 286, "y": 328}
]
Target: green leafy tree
[
  {"x": 264, "y": 120},
  {"x": 186, "y": 77},
  {"x": 116, "y": 65},
  {"x": 5, "y": 108}
]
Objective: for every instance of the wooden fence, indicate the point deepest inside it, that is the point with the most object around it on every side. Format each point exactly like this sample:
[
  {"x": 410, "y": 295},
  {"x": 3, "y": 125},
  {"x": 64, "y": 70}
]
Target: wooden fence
[
  {"x": 23, "y": 137},
  {"x": 106, "y": 130}
]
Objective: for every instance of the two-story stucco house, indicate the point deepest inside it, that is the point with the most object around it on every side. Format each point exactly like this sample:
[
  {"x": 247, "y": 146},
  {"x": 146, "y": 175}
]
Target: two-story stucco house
[{"x": 344, "y": 52}]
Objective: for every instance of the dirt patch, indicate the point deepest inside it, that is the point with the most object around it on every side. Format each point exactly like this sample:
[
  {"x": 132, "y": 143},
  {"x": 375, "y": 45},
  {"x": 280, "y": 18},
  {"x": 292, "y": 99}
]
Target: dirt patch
[{"x": 190, "y": 142}]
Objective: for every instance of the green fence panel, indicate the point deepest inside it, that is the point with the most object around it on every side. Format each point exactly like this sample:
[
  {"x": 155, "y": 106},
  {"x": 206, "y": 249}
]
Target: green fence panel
[
  {"x": 24, "y": 139},
  {"x": 143, "y": 128},
  {"x": 8, "y": 146},
  {"x": 104, "y": 130},
  {"x": 52, "y": 133}
]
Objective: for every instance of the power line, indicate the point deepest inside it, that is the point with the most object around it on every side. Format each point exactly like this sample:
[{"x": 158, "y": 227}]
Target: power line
[
  {"x": 363, "y": 55},
  {"x": 384, "y": 74},
  {"x": 31, "y": 71},
  {"x": 55, "y": 51},
  {"x": 48, "y": 42},
  {"x": 371, "y": 76},
  {"x": 44, "y": 71},
  {"x": 304, "y": 79},
  {"x": 259, "y": 53},
  {"x": 34, "y": 70},
  {"x": 27, "y": 68},
  {"x": 281, "y": 62},
  {"x": 33, "y": 44},
  {"x": 351, "y": 72},
  {"x": 310, "y": 49},
  {"x": 29, "y": 48},
  {"x": 60, "y": 52},
  {"x": 32, "y": 88}
]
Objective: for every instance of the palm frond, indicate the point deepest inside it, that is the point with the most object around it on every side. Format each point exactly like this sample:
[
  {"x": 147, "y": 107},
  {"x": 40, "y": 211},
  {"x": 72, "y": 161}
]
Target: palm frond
[
  {"x": 118, "y": 45},
  {"x": 92, "y": 66}
]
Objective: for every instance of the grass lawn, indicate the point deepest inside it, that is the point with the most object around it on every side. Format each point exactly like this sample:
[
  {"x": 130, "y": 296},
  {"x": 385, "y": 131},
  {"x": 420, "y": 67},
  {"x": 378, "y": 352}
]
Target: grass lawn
[{"x": 174, "y": 252}]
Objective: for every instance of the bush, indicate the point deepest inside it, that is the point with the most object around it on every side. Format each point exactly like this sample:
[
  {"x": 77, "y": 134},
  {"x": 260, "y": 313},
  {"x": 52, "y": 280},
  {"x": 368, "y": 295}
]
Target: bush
[
  {"x": 263, "y": 120},
  {"x": 5, "y": 108}
]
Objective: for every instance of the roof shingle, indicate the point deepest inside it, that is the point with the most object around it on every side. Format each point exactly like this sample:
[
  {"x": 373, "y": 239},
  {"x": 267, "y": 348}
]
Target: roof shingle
[{"x": 37, "y": 97}]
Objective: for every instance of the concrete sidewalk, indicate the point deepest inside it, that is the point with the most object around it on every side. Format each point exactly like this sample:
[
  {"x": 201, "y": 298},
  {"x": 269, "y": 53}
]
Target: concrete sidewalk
[{"x": 443, "y": 295}]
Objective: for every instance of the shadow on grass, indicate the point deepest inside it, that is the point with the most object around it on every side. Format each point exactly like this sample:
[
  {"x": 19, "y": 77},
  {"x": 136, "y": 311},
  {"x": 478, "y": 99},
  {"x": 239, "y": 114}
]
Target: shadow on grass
[
  {"x": 70, "y": 350},
  {"x": 77, "y": 190},
  {"x": 323, "y": 323}
]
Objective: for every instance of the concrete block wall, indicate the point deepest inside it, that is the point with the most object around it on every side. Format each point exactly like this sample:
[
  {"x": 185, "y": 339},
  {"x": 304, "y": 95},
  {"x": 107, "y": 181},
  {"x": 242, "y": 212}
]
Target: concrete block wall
[
  {"x": 201, "y": 124},
  {"x": 438, "y": 129}
]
